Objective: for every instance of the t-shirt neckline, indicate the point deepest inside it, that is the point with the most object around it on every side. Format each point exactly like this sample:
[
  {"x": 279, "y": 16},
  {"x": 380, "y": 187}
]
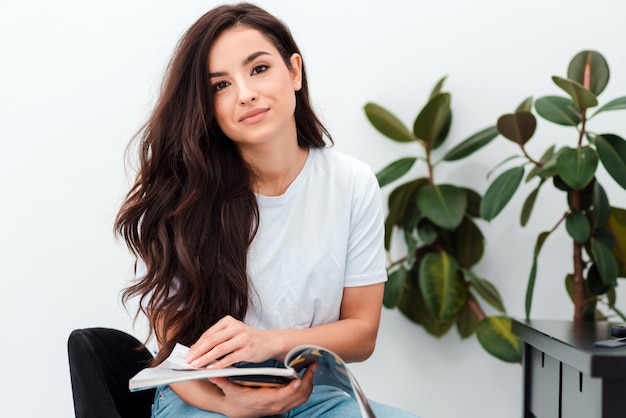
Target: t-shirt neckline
[{"x": 292, "y": 188}]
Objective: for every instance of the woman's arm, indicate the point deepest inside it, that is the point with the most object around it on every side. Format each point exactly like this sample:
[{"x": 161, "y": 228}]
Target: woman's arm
[
  {"x": 352, "y": 337},
  {"x": 235, "y": 401}
]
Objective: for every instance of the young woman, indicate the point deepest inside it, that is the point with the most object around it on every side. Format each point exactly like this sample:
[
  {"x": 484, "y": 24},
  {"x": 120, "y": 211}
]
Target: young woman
[{"x": 252, "y": 236}]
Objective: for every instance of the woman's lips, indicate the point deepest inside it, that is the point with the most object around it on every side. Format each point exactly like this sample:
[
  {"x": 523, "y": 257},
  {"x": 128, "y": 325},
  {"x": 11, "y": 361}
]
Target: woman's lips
[{"x": 253, "y": 116}]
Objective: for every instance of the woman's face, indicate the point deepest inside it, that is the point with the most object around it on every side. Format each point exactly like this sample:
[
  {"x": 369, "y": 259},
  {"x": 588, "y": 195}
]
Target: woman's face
[{"x": 254, "y": 91}]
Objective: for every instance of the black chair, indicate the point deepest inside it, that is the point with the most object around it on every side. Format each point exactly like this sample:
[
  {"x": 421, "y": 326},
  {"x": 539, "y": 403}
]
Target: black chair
[{"x": 102, "y": 360}]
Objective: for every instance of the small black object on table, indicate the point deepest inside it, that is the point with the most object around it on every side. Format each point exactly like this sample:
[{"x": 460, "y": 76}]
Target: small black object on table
[{"x": 573, "y": 369}]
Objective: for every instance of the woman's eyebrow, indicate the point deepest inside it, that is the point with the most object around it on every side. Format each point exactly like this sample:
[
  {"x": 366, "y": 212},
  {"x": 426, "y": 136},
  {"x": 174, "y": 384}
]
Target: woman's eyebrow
[
  {"x": 254, "y": 56},
  {"x": 246, "y": 61}
]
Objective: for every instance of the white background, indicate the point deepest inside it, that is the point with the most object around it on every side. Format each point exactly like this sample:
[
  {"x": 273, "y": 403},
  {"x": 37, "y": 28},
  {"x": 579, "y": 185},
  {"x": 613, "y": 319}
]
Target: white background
[{"x": 77, "y": 79}]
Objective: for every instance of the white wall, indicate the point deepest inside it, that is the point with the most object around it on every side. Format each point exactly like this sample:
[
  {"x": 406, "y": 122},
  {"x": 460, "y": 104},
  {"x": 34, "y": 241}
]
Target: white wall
[{"x": 77, "y": 78}]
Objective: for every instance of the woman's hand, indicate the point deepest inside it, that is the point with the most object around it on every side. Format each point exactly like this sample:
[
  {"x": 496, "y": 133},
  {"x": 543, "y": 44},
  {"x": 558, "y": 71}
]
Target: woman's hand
[
  {"x": 244, "y": 402},
  {"x": 231, "y": 341}
]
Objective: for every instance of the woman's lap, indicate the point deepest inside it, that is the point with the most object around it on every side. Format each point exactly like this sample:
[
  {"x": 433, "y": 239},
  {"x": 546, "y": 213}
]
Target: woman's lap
[
  {"x": 326, "y": 401},
  {"x": 330, "y": 402}
]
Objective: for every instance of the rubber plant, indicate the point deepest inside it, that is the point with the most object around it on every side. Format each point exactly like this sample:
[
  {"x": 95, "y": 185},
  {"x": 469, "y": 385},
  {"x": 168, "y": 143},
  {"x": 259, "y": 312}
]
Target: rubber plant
[
  {"x": 597, "y": 230},
  {"x": 432, "y": 282}
]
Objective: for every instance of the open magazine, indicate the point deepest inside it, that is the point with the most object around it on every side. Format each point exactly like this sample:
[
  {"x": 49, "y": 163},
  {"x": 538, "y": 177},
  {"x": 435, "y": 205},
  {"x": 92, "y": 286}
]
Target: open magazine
[{"x": 331, "y": 370}]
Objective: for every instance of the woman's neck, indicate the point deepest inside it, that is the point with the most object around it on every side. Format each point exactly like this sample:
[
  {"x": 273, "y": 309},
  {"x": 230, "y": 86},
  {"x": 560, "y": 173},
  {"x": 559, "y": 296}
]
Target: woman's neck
[{"x": 276, "y": 169}]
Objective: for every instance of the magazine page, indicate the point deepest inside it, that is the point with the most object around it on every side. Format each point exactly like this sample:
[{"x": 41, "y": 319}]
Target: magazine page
[
  {"x": 331, "y": 371},
  {"x": 174, "y": 369}
]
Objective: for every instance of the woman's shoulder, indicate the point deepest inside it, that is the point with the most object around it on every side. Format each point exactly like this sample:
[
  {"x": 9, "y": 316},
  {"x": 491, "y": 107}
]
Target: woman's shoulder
[
  {"x": 336, "y": 170},
  {"x": 340, "y": 162}
]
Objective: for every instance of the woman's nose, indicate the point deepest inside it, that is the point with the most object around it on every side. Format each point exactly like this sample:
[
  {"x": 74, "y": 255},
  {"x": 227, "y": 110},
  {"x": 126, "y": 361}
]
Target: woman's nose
[{"x": 247, "y": 93}]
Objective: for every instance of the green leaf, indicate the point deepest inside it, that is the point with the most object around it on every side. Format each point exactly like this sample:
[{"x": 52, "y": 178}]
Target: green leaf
[
  {"x": 604, "y": 235},
  {"x": 612, "y": 152},
  {"x": 612, "y": 299},
  {"x": 487, "y": 291},
  {"x": 577, "y": 166},
  {"x": 427, "y": 231},
  {"x": 388, "y": 232},
  {"x": 446, "y": 128},
  {"x": 590, "y": 66},
  {"x": 413, "y": 306},
  {"x": 495, "y": 335},
  {"x": 529, "y": 204},
  {"x": 443, "y": 288},
  {"x": 617, "y": 225},
  {"x": 433, "y": 118},
  {"x": 577, "y": 227},
  {"x": 471, "y": 144},
  {"x": 443, "y": 134},
  {"x": 387, "y": 124},
  {"x": 519, "y": 127},
  {"x": 559, "y": 110},
  {"x": 468, "y": 242},
  {"x": 444, "y": 205},
  {"x": 437, "y": 89},
  {"x": 473, "y": 202},
  {"x": 500, "y": 192},
  {"x": 601, "y": 207},
  {"x": 558, "y": 182},
  {"x": 605, "y": 261},
  {"x": 579, "y": 94},
  {"x": 467, "y": 322},
  {"x": 394, "y": 286},
  {"x": 395, "y": 170},
  {"x": 402, "y": 207},
  {"x": 530, "y": 287},
  {"x": 526, "y": 105},
  {"x": 402, "y": 204},
  {"x": 615, "y": 104},
  {"x": 411, "y": 245},
  {"x": 595, "y": 282}
]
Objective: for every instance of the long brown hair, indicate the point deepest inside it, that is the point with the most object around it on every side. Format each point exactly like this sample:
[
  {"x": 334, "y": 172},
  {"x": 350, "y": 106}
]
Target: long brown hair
[{"x": 191, "y": 214}]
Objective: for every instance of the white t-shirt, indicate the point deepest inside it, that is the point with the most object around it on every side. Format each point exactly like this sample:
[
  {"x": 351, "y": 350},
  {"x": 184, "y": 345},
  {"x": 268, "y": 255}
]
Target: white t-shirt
[{"x": 326, "y": 232}]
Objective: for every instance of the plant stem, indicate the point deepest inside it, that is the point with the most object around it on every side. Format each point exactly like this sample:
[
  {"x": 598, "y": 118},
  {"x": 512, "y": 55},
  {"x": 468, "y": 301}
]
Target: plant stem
[
  {"x": 400, "y": 261},
  {"x": 431, "y": 167},
  {"x": 582, "y": 128},
  {"x": 535, "y": 162},
  {"x": 475, "y": 306},
  {"x": 578, "y": 283}
]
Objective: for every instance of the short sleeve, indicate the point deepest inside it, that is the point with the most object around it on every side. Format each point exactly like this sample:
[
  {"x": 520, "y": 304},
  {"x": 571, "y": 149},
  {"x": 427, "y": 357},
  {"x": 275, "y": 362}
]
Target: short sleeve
[{"x": 365, "y": 262}]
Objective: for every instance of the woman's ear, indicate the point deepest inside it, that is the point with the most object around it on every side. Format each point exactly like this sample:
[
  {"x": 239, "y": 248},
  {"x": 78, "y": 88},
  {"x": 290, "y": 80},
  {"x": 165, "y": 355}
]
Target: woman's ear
[{"x": 296, "y": 71}]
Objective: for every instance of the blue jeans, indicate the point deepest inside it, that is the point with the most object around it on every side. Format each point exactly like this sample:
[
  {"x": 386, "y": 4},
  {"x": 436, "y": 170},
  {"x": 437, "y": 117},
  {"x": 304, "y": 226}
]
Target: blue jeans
[{"x": 325, "y": 401}]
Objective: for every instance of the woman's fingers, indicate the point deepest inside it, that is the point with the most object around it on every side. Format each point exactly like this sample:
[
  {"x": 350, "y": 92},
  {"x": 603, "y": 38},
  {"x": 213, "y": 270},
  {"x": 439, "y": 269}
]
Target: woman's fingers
[
  {"x": 268, "y": 400},
  {"x": 298, "y": 391},
  {"x": 213, "y": 343},
  {"x": 227, "y": 342}
]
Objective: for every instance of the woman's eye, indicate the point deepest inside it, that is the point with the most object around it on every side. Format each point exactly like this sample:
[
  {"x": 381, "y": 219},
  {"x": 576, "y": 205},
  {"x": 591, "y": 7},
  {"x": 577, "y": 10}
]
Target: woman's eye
[
  {"x": 220, "y": 85},
  {"x": 259, "y": 69}
]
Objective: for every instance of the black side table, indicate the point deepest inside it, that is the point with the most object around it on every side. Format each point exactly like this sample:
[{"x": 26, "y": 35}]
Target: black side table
[{"x": 565, "y": 376}]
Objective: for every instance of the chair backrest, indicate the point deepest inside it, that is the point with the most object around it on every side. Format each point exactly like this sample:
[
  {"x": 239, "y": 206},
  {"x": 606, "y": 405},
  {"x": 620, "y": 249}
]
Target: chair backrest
[{"x": 102, "y": 360}]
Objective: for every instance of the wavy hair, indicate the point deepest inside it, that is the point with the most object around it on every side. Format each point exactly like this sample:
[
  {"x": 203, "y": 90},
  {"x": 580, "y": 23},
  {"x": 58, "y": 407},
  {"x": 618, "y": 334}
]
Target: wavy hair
[{"x": 191, "y": 214}]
